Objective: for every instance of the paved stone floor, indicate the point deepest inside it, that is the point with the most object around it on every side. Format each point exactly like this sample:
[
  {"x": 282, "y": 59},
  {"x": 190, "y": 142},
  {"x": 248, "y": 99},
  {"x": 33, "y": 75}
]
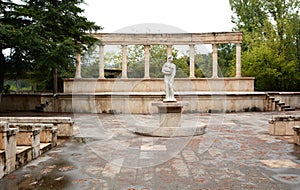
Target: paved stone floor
[{"x": 236, "y": 152}]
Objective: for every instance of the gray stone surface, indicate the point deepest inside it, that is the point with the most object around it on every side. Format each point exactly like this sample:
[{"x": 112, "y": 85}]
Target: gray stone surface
[{"x": 236, "y": 152}]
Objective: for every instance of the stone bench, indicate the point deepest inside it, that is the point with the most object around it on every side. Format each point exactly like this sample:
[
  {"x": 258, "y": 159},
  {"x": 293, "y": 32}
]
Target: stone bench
[
  {"x": 7, "y": 149},
  {"x": 48, "y": 134},
  {"x": 297, "y": 134},
  {"x": 23, "y": 142},
  {"x": 64, "y": 125},
  {"x": 282, "y": 125},
  {"x": 27, "y": 141}
]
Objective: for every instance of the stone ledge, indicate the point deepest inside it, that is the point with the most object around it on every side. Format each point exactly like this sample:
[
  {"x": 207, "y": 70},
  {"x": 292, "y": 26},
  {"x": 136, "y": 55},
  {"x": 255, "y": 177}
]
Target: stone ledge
[
  {"x": 64, "y": 125},
  {"x": 171, "y": 131}
]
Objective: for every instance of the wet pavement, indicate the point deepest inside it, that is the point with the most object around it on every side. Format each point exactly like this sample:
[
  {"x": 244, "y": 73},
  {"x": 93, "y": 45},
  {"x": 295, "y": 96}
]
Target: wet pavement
[{"x": 236, "y": 152}]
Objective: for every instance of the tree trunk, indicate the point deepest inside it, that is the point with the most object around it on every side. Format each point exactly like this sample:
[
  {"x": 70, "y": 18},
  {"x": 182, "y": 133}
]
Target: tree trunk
[
  {"x": 2, "y": 70},
  {"x": 54, "y": 75}
]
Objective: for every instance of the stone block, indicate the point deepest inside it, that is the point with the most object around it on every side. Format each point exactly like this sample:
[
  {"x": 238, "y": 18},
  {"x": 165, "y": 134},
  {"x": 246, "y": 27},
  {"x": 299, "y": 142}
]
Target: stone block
[
  {"x": 289, "y": 127},
  {"x": 48, "y": 133},
  {"x": 28, "y": 135},
  {"x": 296, "y": 135},
  {"x": 24, "y": 155},
  {"x": 282, "y": 125},
  {"x": 280, "y": 128},
  {"x": 2, "y": 163},
  {"x": 64, "y": 129}
]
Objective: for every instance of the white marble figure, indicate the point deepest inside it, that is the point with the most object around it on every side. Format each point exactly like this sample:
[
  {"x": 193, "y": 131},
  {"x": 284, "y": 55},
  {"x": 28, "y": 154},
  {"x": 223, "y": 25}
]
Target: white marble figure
[{"x": 169, "y": 70}]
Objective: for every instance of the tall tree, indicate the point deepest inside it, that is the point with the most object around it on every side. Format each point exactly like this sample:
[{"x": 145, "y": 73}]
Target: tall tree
[
  {"x": 47, "y": 32},
  {"x": 271, "y": 42}
]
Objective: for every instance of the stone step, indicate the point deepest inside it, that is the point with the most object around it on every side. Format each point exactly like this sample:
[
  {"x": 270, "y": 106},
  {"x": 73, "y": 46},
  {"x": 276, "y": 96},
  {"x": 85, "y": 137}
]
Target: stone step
[
  {"x": 271, "y": 98},
  {"x": 289, "y": 109}
]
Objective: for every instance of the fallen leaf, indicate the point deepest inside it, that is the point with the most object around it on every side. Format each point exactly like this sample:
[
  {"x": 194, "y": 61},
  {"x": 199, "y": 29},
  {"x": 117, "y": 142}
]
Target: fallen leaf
[
  {"x": 11, "y": 176},
  {"x": 59, "y": 178},
  {"x": 66, "y": 168},
  {"x": 48, "y": 169},
  {"x": 27, "y": 175},
  {"x": 82, "y": 180},
  {"x": 33, "y": 183}
]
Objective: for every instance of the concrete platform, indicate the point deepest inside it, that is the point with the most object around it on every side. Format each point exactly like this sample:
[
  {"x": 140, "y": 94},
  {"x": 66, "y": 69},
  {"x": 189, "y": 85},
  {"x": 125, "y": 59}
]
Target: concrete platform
[{"x": 236, "y": 152}]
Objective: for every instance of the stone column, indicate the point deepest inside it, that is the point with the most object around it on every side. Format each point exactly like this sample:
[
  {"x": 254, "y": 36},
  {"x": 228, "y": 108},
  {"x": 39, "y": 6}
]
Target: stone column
[
  {"x": 8, "y": 146},
  {"x": 169, "y": 50},
  {"x": 238, "y": 60},
  {"x": 124, "y": 61},
  {"x": 78, "y": 65},
  {"x": 192, "y": 61},
  {"x": 215, "y": 61},
  {"x": 101, "y": 62},
  {"x": 147, "y": 61}
]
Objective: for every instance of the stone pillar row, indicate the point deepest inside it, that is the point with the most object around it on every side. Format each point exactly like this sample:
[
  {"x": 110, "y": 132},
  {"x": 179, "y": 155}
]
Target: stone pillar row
[{"x": 169, "y": 53}]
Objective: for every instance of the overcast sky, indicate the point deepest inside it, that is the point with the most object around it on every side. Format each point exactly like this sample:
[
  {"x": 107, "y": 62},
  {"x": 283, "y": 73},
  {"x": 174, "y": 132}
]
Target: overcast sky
[{"x": 188, "y": 15}]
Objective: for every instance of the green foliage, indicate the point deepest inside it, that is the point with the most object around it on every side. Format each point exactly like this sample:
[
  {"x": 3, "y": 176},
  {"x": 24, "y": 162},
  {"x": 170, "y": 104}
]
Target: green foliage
[
  {"x": 271, "y": 42},
  {"x": 226, "y": 60},
  {"x": 42, "y": 35},
  {"x": 6, "y": 89},
  {"x": 158, "y": 56},
  {"x": 203, "y": 65}
]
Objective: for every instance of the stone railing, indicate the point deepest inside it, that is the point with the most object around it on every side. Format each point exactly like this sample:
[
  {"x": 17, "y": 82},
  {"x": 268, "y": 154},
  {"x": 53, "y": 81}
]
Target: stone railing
[
  {"x": 283, "y": 124},
  {"x": 23, "y": 142},
  {"x": 64, "y": 125}
]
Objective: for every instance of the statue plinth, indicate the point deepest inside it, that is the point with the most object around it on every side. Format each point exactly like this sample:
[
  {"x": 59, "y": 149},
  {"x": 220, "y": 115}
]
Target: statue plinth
[{"x": 170, "y": 122}]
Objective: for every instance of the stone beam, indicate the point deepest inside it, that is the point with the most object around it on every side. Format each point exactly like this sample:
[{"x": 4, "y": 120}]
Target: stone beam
[{"x": 170, "y": 38}]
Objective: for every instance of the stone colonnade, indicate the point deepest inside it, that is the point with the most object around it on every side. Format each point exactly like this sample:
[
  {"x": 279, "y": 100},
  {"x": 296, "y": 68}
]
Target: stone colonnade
[{"x": 169, "y": 39}]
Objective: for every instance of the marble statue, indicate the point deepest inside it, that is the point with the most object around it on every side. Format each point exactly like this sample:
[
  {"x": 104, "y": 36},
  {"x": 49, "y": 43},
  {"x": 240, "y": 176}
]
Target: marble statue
[{"x": 169, "y": 71}]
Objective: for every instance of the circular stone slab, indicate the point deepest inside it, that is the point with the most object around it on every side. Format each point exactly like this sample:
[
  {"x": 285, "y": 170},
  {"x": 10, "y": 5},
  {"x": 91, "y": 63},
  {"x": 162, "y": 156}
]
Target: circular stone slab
[{"x": 172, "y": 131}]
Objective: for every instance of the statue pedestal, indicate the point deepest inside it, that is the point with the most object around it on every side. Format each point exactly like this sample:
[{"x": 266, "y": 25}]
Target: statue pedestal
[{"x": 170, "y": 122}]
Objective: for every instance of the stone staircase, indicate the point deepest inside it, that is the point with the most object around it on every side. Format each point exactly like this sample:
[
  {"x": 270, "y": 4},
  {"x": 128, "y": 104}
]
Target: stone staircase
[{"x": 275, "y": 104}]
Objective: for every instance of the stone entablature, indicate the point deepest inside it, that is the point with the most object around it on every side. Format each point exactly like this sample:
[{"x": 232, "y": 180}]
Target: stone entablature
[{"x": 170, "y": 38}]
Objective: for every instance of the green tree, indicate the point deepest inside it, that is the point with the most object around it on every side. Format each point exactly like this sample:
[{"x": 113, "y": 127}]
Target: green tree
[
  {"x": 43, "y": 36},
  {"x": 158, "y": 56},
  {"x": 271, "y": 42}
]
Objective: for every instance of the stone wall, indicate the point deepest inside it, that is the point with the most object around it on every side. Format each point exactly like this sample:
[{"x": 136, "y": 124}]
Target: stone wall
[
  {"x": 243, "y": 84},
  {"x": 141, "y": 102}
]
